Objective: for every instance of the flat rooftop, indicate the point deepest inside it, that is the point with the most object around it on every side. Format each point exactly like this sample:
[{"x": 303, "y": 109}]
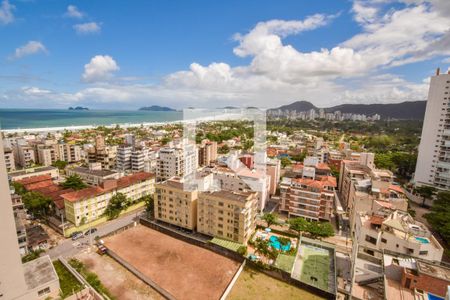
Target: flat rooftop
[
  {"x": 100, "y": 173},
  {"x": 39, "y": 272},
  {"x": 434, "y": 270},
  {"x": 31, "y": 171}
]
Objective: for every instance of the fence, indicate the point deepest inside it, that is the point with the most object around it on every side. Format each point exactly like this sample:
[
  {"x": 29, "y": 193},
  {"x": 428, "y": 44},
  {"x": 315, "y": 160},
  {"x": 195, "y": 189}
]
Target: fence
[
  {"x": 81, "y": 279},
  {"x": 141, "y": 276},
  {"x": 272, "y": 272}
]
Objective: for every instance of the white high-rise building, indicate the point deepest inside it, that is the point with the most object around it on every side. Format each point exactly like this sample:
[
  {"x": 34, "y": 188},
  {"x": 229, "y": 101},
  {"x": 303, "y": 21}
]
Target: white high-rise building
[
  {"x": 433, "y": 162},
  {"x": 123, "y": 159}
]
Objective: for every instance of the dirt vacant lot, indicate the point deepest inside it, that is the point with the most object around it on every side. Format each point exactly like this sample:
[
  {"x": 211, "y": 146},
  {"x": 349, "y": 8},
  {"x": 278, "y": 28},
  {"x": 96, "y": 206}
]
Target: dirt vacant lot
[
  {"x": 184, "y": 270},
  {"x": 118, "y": 280}
]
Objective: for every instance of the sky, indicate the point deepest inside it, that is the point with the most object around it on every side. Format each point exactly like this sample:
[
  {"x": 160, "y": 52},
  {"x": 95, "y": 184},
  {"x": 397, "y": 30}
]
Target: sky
[{"x": 129, "y": 54}]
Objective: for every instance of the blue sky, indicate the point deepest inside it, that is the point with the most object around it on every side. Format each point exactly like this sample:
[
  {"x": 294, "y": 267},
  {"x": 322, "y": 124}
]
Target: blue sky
[{"x": 126, "y": 54}]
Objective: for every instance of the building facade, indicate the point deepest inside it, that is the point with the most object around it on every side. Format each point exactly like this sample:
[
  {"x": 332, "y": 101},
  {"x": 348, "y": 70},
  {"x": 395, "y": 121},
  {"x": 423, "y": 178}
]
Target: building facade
[
  {"x": 433, "y": 161},
  {"x": 227, "y": 215}
]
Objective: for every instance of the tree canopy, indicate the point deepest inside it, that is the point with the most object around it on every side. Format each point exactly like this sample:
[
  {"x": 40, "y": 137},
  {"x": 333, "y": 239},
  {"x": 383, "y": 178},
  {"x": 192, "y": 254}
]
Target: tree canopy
[
  {"x": 116, "y": 204},
  {"x": 439, "y": 217},
  {"x": 270, "y": 219},
  {"x": 74, "y": 182},
  {"x": 36, "y": 203}
]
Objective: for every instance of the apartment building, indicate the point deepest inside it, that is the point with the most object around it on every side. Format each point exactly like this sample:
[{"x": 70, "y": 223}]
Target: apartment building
[
  {"x": 123, "y": 159},
  {"x": 433, "y": 161},
  {"x": 312, "y": 199},
  {"x": 273, "y": 169},
  {"x": 227, "y": 214},
  {"x": 105, "y": 155},
  {"x": 47, "y": 155},
  {"x": 26, "y": 156},
  {"x": 33, "y": 280},
  {"x": 33, "y": 172},
  {"x": 93, "y": 175},
  {"x": 170, "y": 163},
  {"x": 207, "y": 153},
  {"x": 10, "y": 162},
  {"x": 176, "y": 205},
  {"x": 138, "y": 159},
  {"x": 69, "y": 152},
  {"x": 398, "y": 232},
  {"x": 90, "y": 203}
]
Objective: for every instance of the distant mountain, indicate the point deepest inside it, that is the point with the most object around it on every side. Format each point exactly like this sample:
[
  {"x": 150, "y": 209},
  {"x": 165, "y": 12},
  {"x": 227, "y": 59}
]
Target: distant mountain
[
  {"x": 78, "y": 108},
  {"x": 412, "y": 110},
  {"x": 156, "y": 108}
]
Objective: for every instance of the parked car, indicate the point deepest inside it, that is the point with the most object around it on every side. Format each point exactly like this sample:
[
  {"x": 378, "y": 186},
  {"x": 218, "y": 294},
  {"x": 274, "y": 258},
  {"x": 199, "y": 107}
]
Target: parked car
[
  {"x": 76, "y": 235},
  {"x": 90, "y": 231},
  {"x": 101, "y": 249}
]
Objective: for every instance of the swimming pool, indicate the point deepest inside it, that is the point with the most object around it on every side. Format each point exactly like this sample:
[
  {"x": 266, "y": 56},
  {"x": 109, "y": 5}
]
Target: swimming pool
[
  {"x": 434, "y": 297},
  {"x": 422, "y": 240},
  {"x": 275, "y": 243}
]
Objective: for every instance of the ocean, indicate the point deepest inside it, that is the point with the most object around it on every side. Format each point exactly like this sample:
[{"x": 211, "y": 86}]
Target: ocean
[{"x": 44, "y": 118}]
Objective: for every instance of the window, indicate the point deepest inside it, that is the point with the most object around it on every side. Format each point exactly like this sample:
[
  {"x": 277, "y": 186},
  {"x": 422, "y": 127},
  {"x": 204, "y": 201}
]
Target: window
[
  {"x": 424, "y": 252},
  {"x": 371, "y": 240},
  {"x": 383, "y": 240},
  {"x": 44, "y": 291}
]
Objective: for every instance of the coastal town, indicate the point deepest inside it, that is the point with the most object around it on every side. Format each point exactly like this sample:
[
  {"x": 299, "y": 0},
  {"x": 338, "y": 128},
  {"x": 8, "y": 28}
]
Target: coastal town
[{"x": 321, "y": 214}]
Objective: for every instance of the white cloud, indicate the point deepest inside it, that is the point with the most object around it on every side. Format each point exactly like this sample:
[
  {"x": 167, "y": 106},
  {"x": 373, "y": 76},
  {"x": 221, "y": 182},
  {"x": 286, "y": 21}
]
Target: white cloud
[
  {"x": 6, "y": 12},
  {"x": 87, "y": 28},
  {"x": 30, "y": 48},
  {"x": 100, "y": 68},
  {"x": 356, "y": 70},
  {"x": 73, "y": 12}
]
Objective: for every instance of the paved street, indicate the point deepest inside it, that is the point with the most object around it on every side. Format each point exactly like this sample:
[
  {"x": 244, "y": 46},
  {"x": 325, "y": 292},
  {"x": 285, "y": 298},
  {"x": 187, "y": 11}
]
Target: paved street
[{"x": 69, "y": 248}]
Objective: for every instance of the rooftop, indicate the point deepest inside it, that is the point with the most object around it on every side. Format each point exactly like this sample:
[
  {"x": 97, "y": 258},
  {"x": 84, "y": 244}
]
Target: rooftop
[
  {"x": 235, "y": 196},
  {"x": 39, "y": 272},
  {"x": 109, "y": 185},
  {"x": 31, "y": 171},
  {"x": 100, "y": 173}
]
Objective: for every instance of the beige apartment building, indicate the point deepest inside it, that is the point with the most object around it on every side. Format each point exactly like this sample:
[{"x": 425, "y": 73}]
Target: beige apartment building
[
  {"x": 207, "y": 152},
  {"x": 26, "y": 156},
  {"x": 47, "y": 155},
  {"x": 94, "y": 175},
  {"x": 90, "y": 203},
  {"x": 226, "y": 214},
  {"x": 175, "y": 205},
  {"x": 10, "y": 162}
]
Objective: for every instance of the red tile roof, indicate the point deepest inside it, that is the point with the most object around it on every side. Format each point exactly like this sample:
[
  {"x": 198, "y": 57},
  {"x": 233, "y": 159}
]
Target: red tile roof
[
  {"x": 396, "y": 188},
  {"x": 91, "y": 192},
  {"x": 319, "y": 184},
  {"x": 38, "y": 185},
  {"x": 34, "y": 179}
]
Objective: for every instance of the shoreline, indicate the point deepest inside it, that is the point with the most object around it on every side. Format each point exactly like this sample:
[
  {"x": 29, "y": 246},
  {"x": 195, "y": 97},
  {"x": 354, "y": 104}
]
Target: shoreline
[{"x": 222, "y": 117}]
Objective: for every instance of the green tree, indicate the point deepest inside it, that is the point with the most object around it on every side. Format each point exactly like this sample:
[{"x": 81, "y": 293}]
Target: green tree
[
  {"x": 36, "y": 203},
  {"x": 426, "y": 192},
  {"x": 270, "y": 219},
  {"x": 300, "y": 157},
  {"x": 116, "y": 204},
  {"x": 320, "y": 229},
  {"x": 224, "y": 149},
  {"x": 74, "y": 182},
  {"x": 60, "y": 164},
  {"x": 19, "y": 189},
  {"x": 242, "y": 250},
  {"x": 285, "y": 161},
  {"x": 298, "y": 224},
  {"x": 439, "y": 217},
  {"x": 149, "y": 205}
]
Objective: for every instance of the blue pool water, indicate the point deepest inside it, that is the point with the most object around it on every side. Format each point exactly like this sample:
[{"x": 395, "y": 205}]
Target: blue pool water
[
  {"x": 275, "y": 243},
  {"x": 434, "y": 297},
  {"x": 422, "y": 240}
]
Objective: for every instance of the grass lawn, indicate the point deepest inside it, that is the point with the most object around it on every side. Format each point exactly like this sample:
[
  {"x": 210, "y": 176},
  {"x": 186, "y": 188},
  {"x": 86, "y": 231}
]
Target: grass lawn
[
  {"x": 226, "y": 244},
  {"x": 285, "y": 262},
  {"x": 316, "y": 267},
  {"x": 68, "y": 283},
  {"x": 255, "y": 285}
]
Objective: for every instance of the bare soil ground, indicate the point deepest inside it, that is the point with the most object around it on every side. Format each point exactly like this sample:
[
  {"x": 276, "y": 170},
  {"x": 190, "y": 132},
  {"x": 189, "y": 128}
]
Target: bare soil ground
[
  {"x": 184, "y": 270},
  {"x": 118, "y": 280}
]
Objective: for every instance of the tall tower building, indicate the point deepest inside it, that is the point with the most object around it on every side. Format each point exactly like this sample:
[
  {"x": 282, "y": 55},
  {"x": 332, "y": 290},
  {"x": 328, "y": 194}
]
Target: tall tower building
[
  {"x": 12, "y": 279},
  {"x": 433, "y": 162}
]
